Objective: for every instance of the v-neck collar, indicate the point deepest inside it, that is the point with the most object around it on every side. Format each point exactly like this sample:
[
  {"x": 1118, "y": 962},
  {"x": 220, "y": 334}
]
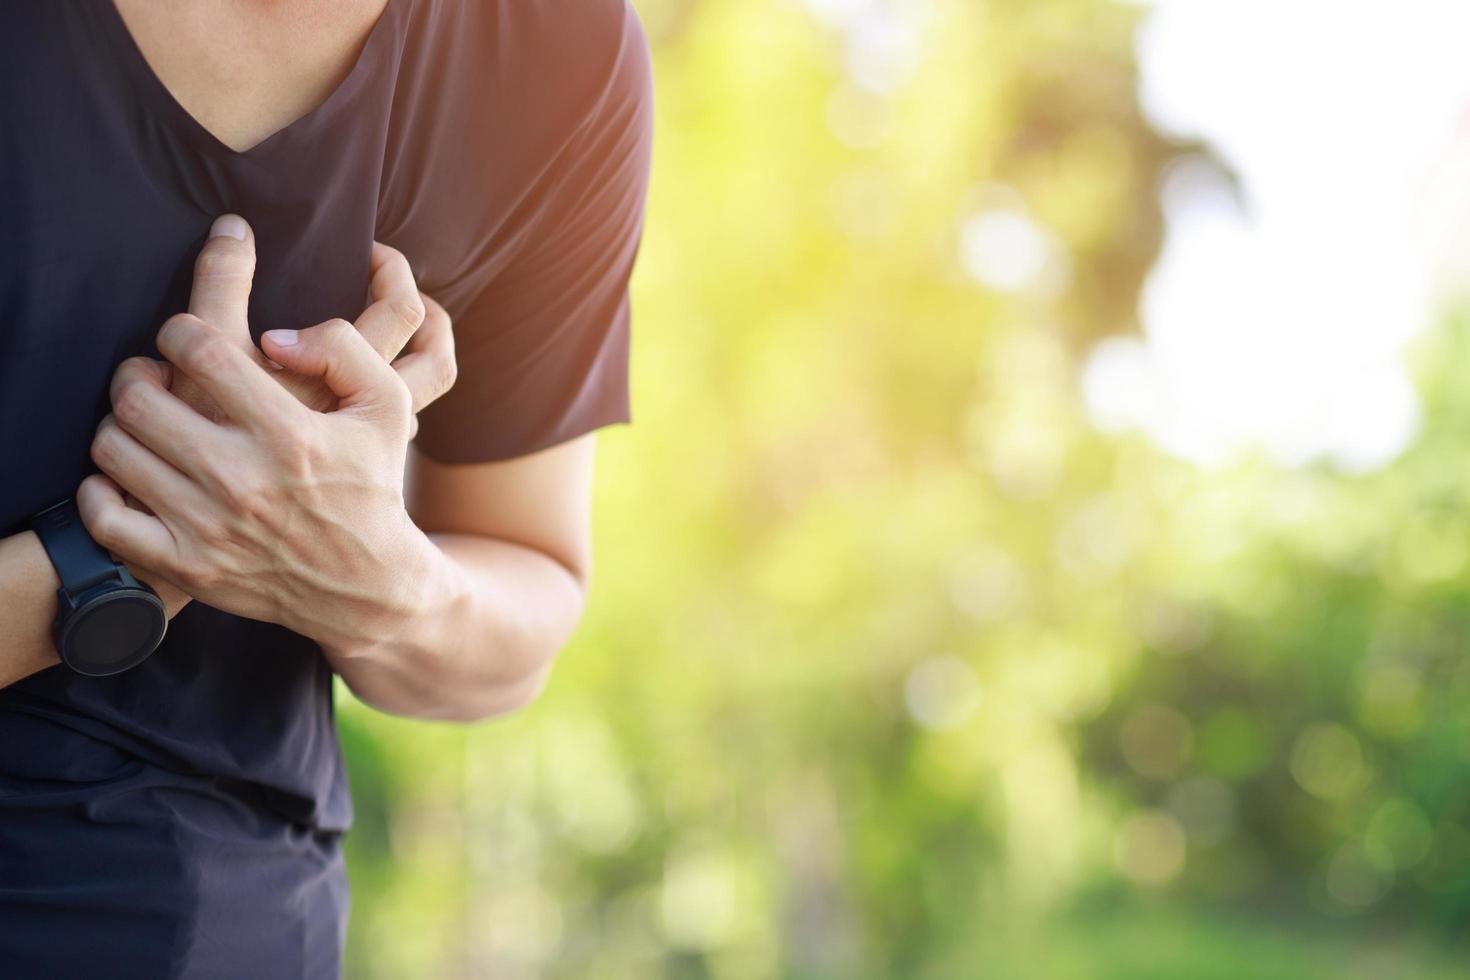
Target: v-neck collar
[{"x": 162, "y": 99}]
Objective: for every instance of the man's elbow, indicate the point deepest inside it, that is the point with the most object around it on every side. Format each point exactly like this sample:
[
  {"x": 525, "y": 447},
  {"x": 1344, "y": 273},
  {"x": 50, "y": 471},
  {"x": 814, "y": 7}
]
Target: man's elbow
[{"x": 503, "y": 699}]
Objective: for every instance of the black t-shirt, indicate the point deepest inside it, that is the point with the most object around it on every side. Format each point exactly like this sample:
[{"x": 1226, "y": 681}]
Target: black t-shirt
[{"x": 502, "y": 145}]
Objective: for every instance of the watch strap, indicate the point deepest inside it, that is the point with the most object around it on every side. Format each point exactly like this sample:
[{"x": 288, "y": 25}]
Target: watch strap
[{"x": 80, "y": 562}]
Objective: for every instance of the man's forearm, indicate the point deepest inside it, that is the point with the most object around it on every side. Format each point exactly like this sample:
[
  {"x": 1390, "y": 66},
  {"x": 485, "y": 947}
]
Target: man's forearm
[
  {"x": 28, "y": 584},
  {"x": 480, "y": 640}
]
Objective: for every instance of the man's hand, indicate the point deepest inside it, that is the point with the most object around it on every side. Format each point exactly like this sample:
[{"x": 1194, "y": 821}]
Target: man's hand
[
  {"x": 397, "y": 315},
  {"x": 154, "y": 445}
]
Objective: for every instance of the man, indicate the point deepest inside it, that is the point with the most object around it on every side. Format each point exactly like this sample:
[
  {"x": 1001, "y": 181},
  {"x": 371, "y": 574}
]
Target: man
[{"x": 182, "y": 816}]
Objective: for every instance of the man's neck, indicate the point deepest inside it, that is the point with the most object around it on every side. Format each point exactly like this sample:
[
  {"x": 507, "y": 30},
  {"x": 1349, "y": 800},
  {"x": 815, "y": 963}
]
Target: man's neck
[{"x": 246, "y": 70}]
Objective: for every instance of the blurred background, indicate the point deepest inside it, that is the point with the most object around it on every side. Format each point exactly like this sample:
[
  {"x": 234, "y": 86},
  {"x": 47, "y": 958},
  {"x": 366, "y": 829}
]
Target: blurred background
[{"x": 1042, "y": 548}]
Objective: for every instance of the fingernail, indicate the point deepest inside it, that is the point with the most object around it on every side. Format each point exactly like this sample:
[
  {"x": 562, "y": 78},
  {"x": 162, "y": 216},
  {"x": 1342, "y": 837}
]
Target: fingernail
[
  {"x": 283, "y": 338},
  {"x": 228, "y": 226}
]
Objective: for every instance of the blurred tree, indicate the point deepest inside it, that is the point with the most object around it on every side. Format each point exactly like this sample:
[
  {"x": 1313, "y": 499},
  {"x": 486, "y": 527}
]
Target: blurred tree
[{"x": 894, "y": 667}]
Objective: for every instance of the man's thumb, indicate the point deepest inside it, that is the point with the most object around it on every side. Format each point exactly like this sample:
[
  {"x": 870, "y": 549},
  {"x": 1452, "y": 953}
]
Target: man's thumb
[{"x": 223, "y": 273}]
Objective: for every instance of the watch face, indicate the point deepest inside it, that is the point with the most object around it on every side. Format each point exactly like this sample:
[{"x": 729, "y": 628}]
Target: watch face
[{"x": 114, "y": 631}]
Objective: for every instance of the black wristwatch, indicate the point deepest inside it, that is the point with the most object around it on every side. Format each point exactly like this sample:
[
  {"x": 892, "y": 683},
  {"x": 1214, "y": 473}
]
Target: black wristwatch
[{"x": 106, "y": 620}]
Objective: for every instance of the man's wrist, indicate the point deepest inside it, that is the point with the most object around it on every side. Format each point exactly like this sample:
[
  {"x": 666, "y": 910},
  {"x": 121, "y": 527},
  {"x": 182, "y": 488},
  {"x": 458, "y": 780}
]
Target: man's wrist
[{"x": 414, "y": 614}]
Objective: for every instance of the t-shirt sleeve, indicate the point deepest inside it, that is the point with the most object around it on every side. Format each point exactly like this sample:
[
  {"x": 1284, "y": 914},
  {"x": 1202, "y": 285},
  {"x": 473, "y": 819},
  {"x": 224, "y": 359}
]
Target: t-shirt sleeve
[{"x": 542, "y": 346}]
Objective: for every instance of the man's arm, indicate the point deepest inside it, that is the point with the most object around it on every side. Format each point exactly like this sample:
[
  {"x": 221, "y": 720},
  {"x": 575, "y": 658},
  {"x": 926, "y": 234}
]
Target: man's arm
[
  {"x": 506, "y": 592},
  {"x": 29, "y": 584},
  {"x": 443, "y": 596}
]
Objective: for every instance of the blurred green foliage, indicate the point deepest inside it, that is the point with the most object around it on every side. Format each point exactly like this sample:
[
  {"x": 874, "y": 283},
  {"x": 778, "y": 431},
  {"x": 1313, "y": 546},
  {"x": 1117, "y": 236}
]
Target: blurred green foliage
[{"x": 895, "y": 668}]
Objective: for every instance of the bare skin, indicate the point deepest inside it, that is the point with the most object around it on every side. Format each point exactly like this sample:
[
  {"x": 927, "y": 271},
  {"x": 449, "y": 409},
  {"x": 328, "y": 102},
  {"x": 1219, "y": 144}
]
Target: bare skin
[
  {"x": 245, "y": 69},
  {"x": 468, "y": 578}
]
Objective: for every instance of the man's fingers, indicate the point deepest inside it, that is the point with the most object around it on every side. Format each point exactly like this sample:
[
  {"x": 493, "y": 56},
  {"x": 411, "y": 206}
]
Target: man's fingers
[
  {"x": 136, "y": 467},
  {"x": 145, "y": 407},
  {"x": 227, "y": 372},
  {"x": 134, "y": 536},
  {"x": 427, "y": 365},
  {"x": 141, "y": 370},
  {"x": 222, "y": 276},
  {"x": 397, "y": 309},
  {"x": 335, "y": 352}
]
